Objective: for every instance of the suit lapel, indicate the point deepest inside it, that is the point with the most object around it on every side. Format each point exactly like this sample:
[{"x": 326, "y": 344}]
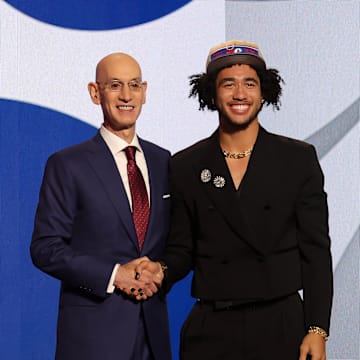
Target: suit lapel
[
  {"x": 103, "y": 163},
  {"x": 258, "y": 179},
  {"x": 155, "y": 184},
  {"x": 221, "y": 191}
]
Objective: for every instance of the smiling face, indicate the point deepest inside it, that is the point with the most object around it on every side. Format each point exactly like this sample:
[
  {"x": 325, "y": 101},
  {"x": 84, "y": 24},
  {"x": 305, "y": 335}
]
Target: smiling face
[
  {"x": 238, "y": 96},
  {"x": 120, "y": 92}
]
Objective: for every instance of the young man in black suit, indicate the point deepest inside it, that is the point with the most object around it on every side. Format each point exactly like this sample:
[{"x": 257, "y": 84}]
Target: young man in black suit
[{"x": 250, "y": 218}]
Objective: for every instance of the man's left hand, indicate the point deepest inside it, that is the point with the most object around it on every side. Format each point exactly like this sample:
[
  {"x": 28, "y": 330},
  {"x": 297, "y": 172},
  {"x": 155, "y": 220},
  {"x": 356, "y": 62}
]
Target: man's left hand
[{"x": 313, "y": 345}]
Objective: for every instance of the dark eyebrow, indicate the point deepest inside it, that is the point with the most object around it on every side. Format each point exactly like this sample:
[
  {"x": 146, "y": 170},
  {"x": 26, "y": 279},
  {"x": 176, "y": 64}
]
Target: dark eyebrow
[
  {"x": 233, "y": 79},
  {"x": 251, "y": 79},
  {"x": 226, "y": 79}
]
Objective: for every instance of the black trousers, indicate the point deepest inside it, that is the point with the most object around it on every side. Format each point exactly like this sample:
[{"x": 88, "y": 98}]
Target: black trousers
[{"x": 271, "y": 330}]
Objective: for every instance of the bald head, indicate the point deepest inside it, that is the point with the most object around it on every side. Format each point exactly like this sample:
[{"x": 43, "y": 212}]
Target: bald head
[
  {"x": 112, "y": 63},
  {"x": 120, "y": 91}
]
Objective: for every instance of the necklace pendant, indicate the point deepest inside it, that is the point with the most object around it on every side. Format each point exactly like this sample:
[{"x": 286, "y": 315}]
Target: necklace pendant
[{"x": 239, "y": 155}]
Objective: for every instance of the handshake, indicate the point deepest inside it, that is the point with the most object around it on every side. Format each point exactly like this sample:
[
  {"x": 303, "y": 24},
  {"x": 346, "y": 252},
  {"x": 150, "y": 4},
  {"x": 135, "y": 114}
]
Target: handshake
[{"x": 140, "y": 278}]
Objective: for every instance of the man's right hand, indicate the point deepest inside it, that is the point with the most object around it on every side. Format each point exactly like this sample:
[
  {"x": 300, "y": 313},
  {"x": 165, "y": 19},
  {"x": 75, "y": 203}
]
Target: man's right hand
[
  {"x": 134, "y": 286},
  {"x": 147, "y": 269}
]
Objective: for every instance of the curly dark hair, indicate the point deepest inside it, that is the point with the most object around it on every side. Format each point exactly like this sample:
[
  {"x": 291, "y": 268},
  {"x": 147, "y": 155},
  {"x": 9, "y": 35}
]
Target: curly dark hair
[{"x": 203, "y": 87}]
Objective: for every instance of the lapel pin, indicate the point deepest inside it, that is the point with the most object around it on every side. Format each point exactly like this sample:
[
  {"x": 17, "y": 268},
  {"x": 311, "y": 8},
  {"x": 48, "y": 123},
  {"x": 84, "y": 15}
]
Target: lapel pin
[
  {"x": 205, "y": 175},
  {"x": 219, "y": 181}
]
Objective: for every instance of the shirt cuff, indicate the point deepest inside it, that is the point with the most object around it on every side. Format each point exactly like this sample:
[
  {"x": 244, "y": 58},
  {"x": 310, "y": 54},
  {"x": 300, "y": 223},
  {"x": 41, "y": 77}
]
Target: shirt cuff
[{"x": 111, "y": 287}]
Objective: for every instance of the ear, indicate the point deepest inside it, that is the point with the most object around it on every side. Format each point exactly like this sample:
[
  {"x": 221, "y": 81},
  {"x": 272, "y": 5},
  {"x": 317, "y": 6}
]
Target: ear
[
  {"x": 94, "y": 92},
  {"x": 144, "y": 87},
  {"x": 212, "y": 105}
]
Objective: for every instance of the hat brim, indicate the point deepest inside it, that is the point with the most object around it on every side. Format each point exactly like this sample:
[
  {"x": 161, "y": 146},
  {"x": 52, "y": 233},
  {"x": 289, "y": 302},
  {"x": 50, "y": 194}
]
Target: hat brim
[{"x": 254, "y": 61}]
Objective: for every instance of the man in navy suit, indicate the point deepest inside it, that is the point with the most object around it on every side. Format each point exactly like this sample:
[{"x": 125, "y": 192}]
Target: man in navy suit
[
  {"x": 84, "y": 233},
  {"x": 250, "y": 218}
]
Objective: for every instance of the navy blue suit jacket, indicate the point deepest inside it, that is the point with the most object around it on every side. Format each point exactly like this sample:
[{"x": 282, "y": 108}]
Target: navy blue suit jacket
[{"x": 83, "y": 227}]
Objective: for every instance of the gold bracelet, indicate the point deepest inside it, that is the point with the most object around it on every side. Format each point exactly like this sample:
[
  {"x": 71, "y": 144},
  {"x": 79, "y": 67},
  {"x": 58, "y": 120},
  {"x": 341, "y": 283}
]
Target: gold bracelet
[
  {"x": 163, "y": 267},
  {"x": 319, "y": 331}
]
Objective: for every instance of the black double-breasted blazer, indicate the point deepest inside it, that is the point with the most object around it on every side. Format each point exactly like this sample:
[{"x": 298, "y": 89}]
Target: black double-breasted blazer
[{"x": 265, "y": 240}]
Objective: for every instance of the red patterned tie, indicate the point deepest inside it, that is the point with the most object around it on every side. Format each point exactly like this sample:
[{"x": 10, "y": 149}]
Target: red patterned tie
[{"x": 140, "y": 201}]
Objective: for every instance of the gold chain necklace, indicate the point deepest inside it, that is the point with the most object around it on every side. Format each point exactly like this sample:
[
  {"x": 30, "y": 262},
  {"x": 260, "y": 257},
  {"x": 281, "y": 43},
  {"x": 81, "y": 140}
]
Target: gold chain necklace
[{"x": 239, "y": 155}]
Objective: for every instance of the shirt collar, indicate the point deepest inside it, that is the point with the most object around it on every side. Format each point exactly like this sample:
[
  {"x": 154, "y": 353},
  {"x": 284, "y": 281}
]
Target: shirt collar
[{"x": 116, "y": 143}]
